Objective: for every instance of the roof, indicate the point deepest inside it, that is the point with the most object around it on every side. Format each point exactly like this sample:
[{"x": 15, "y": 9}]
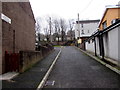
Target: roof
[
  {"x": 111, "y": 27},
  {"x": 108, "y": 7},
  {"x": 88, "y": 21}
]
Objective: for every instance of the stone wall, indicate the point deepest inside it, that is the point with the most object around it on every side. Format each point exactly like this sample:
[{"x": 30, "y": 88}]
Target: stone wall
[{"x": 29, "y": 58}]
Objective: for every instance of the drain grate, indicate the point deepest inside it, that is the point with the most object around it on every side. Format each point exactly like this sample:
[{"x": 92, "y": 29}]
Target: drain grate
[{"x": 50, "y": 83}]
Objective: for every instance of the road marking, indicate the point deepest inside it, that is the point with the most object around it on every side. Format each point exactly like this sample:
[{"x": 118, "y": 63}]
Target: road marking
[
  {"x": 50, "y": 83},
  {"x": 40, "y": 86}
]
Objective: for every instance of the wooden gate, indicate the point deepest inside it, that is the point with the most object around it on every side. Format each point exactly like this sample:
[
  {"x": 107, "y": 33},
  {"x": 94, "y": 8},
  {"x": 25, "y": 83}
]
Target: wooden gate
[{"x": 11, "y": 62}]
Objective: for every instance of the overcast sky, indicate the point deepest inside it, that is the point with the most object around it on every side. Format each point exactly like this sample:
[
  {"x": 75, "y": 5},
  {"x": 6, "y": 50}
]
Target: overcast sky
[{"x": 68, "y": 9}]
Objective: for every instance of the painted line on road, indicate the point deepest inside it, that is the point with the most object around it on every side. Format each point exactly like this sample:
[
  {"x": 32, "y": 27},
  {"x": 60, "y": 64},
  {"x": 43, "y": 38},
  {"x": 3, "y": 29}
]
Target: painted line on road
[
  {"x": 40, "y": 86},
  {"x": 103, "y": 63}
]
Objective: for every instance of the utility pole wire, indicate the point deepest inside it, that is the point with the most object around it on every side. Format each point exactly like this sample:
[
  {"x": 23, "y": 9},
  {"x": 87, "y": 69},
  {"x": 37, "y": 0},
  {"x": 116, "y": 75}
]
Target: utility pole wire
[{"x": 84, "y": 9}]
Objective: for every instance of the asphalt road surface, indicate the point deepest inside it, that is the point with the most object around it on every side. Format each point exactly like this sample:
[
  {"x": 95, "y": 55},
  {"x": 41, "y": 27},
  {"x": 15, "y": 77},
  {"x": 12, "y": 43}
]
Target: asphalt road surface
[
  {"x": 74, "y": 69},
  {"x": 31, "y": 78}
]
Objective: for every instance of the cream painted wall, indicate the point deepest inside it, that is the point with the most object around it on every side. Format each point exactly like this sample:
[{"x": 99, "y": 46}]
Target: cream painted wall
[
  {"x": 119, "y": 45},
  {"x": 90, "y": 46},
  {"x": 113, "y": 44},
  {"x": 91, "y": 27}
]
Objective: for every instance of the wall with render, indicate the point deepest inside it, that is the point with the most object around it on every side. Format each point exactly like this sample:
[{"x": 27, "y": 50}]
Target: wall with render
[
  {"x": 111, "y": 43},
  {"x": 90, "y": 46},
  {"x": 29, "y": 58}
]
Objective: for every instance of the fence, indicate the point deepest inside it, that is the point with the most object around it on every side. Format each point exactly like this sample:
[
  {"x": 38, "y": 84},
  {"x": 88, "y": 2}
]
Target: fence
[
  {"x": 25, "y": 59},
  {"x": 11, "y": 61}
]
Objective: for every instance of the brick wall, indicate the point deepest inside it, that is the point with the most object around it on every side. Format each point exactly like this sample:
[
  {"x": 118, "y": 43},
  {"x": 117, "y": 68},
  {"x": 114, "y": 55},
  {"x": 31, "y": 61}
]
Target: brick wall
[
  {"x": 0, "y": 40},
  {"x": 20, "y": 34}
]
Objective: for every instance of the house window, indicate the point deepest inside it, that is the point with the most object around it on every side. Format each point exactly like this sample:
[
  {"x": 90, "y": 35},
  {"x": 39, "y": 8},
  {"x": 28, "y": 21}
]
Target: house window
[
  {"x": 114, "y": 21},
  {"x": 88, "y": 31},
  {"x": 82, "y": 32},
  {"x": 104, "y": 24}
]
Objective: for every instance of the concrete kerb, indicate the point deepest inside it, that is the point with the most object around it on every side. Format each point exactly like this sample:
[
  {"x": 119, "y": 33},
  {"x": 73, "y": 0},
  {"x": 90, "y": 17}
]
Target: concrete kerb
[
  {"x": 103, "y": 63},
  {"x": 9, "y": 75},
  {"x": 40, "y": 86}
]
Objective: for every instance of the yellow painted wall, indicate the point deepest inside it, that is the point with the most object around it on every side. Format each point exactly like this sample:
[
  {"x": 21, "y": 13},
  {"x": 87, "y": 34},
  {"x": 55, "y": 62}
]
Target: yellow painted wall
[{"x": 111, "y": 13}]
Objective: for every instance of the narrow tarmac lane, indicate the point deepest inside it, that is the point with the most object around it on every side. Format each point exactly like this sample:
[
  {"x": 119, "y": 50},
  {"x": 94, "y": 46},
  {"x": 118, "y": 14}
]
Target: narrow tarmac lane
[
  {"x": 74, "y": 69},
  {"x": 31, "y": 78}
]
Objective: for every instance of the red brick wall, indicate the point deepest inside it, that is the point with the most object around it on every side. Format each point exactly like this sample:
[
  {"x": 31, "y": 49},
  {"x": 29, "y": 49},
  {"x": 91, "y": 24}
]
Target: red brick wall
[
  {"x": 0, "y": 40},
  {"x": 24, "y": 25}
]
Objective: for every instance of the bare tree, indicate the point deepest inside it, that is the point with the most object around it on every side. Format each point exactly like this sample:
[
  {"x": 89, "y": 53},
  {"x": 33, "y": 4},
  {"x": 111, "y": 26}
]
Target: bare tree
[
  {"x": 38, "y": 29},
  {"x": 56, "y": 25},
  {"x": 38, "y": 26},
  {"x": 46, "y": 31},
  {"x": 49, "y": 21},
  {"x": 71, "y": 25},
  {"x": 63, "y": 27}
]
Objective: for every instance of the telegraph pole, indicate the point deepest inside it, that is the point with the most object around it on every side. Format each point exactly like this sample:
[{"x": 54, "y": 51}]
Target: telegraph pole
[
  {"x": 78, "y": 27},
  {"x": 79, "y": 40}
]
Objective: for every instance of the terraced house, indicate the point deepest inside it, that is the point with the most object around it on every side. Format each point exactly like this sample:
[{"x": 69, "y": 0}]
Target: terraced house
[
  {"x": 110, "y": 16},
  {"x": 105, "y": 43},
  {"x": 84, "y": 30},
  {"x": 17, "y": 32}
]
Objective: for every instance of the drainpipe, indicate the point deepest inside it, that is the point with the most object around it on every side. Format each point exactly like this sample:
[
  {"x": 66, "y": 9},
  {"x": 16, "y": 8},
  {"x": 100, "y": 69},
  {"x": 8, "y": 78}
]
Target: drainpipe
[
  {"x": 101, "y": 46},
  {"x": 13, "y": 41},
  {"x": 95, "y": 46}
]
